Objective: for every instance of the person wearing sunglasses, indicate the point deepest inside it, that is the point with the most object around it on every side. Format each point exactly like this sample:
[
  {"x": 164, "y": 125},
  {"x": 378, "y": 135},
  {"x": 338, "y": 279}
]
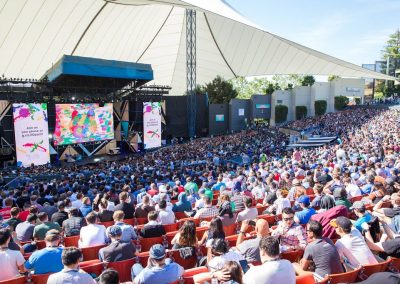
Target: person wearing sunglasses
[{"x": 291, "y": 235}]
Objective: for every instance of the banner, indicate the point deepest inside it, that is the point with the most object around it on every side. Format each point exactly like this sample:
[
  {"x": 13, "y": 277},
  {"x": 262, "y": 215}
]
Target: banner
[
  {"x": 152, "y": 125},
  {"x": 31, "y": 134}
]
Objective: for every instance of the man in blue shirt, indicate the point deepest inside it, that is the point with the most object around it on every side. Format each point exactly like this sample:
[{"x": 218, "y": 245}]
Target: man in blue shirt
[
  {"x": 361, "y": 213},
  {"x": 305, "y": 214},
  {"x": 47, "y": 260},
  {"x": 158, "y": 270}
]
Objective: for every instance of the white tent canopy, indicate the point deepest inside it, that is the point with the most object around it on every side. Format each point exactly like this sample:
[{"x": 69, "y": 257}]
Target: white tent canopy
[{"x": 34, "y": 34}]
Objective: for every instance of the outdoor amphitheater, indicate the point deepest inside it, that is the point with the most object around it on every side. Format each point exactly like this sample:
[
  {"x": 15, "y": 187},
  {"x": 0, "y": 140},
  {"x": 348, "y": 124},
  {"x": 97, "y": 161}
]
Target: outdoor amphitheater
[{"x": 178, "y": 142}]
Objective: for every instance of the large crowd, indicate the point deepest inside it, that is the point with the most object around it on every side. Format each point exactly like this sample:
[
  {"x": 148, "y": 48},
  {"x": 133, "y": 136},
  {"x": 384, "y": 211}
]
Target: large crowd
[{"x": 274, "y": 215}]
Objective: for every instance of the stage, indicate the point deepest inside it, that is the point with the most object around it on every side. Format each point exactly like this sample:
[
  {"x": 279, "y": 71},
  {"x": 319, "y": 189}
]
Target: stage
[{"x": 94, "y": 160}]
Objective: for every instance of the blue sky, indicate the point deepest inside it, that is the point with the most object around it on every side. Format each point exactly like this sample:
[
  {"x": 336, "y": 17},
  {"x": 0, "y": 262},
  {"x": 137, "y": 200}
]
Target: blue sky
[{"x": 352, "y": 30}]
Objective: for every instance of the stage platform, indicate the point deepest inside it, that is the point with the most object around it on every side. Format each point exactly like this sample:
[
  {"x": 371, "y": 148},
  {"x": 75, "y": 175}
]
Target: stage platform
[
  {"x": 94, "y": 160},
  {"x": 312, "y": 142}
]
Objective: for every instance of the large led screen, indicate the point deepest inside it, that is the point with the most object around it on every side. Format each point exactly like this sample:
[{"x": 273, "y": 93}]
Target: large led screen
[
  {"x": 152, "y": 124},
  {"x": 79, "y": 123},
  {"x": 31, "y": 134}
]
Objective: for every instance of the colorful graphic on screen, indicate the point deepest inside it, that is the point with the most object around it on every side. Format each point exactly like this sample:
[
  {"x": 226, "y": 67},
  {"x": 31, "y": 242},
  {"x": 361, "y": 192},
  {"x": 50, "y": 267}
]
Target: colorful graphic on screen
[
  {"x": 79, "y": 123},
  {"x": 152, "y": 124},
  {"x": 31, "y": 134}
]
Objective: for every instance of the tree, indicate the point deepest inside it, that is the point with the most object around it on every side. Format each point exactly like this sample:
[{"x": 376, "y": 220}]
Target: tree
[
  {"x": 270, "y": 89},
  {"x": 308, "y": 80},
  {"x": 341, "y": 102},
  {"x": 391, "y": 54},
  {"x": 220, "y": 91},
  {"x": 320, "y": 107},
  {"x": 332, "y": 77}
]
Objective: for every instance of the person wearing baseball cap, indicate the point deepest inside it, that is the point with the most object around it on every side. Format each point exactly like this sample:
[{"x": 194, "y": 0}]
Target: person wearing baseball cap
[
  {"x": 351, "y": 245},
  {"x": 303, "y": 216},
  {"x": 363, "y": 215},
  {"x": 117, "y": 250},
  {"x": 159, "y": 269}
]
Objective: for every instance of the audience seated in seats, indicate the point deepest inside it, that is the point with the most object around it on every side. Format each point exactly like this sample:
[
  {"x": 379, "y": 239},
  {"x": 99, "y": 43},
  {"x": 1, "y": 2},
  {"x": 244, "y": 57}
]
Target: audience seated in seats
[
  {"x": 117, "y": 250},
  {"x": 152, "y": 228},
  {"x": 166, "y": 217},
  {"x": 249, "y": 213},
  {"x": 220, "y": 254},
  {"x": 320, "y": 255},
  {"x": 273, "y": 269},
  {"x": 49, "y": 209},
  {"x": 351, "y": 188},
  {"x": 190, "y": 187},
  {"x": 143, "y": 209},
  {"x": 389, "y": 213},
  {"x": 302, "y": 217},
  {"x": 225, "y": 210},
  {"x": 103, "y": 213},
  {"x": 11, "y": 261},
  {"x": 158, "y": 270},
  {"x": 72, "y": 226},
  {"x": 93, "y": 234},
  {"x": 5, "y": 212},
  {"x": 71, "y": 273},
  {"x": 125, "y": 205},
  {"x": 48, "y": 259},
  {"x": 318, "y": 194},
  {"x": 215, "y": 231},
  {"x": 40, "y": 230},
  {"x": 351, "y": 245},
  {"x": 128, "y": 232},
  {"x": 340, "y": 196},
  {"x": 237, "y": 200},
  {"x": 250, "y": 249},
  {"x": 14, "y": 220},
  {"x": 60, "y": 216},
  {"x": 290, "y": 234},
  {"x": 183, "y": 205},
  {"x": 280, "y": 202},
  {"x": 382, "y": 277},
  {"x": 327, "y": 216},
  {"x": 208, "y": 210},
  {"x": 378, "y": 191},
  {"x": 327, "y": 202}
]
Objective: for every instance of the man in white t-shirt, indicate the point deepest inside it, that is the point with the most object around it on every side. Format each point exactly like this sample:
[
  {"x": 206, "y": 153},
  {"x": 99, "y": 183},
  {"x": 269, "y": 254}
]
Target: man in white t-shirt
[
  {"x": 92, "y": 234},
  {"x": 11, "y": 261},
  {"x": 249, "y": 213},
  {"x": 273, "y": 269},
  {"x": 351, "y": 188},
  {"x": 166, "y": 217},
  {"x": 351, "y": 245}
]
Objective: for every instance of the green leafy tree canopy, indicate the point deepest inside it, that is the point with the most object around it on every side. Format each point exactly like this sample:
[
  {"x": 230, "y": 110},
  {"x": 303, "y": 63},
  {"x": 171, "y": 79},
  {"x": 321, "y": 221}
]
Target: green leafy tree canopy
[{"x": 220, "y": 91}]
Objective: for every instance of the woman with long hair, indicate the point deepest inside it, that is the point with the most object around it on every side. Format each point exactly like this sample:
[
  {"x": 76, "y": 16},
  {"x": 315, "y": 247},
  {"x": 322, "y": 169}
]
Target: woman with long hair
[
  {"x": 231, "y": 273},
  {"x": 186, "y": 236},
  {"x": 215, "y": 231}
]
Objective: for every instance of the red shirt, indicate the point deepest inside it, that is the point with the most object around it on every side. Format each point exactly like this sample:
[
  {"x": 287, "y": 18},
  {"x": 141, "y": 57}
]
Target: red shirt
[
  {"x": 152, "y": 192},
  {"x": 181, "y": 189},
  {"x": 6, "y": 212},
  {"x": 23, "y": 215}
]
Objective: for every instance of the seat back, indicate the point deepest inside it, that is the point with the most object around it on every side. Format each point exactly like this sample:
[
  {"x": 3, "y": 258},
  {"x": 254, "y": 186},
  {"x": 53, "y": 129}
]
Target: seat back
[
  {"x": 141, "y": 221},
  {"x": 18, "y": 280},
  {"x": 230, "y": 230},
  {"x": 200, "y": 232},
  {"x": 307, "y": 278},
  {"x": 40, "y": 278},
  {"x": 180, "y": 215},
  {"x": 71, "y": 241},
  {"x": 130, "y": 221},
  {"x": 124, "y": 269},
  {"x": 368, "y": 270},
  {"x": 189, "y": 273},
  {"x": 346, "y": 277},
  {"x": 271, "y": 219},
  {"x": 107, "y": 224},
  {"x": 292, "y": 256},
  {"x": 147, "y": 243},
  {"x": 170, "y": 227},
  {"x": 185, "y": 263},
  {"x": 93, "y": 267},
  {"x": 91, "y": 253},
  {"x": 394, "y": 265}
]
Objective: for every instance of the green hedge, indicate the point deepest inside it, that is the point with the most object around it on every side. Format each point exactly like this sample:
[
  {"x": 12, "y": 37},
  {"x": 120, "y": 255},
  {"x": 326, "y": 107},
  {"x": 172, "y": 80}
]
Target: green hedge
[
  {"x": 341, "y": 102},
  {"x": 320, "y": 107},
  {"x": 301, "y": 112},
  {"x": 281, "y": 112},
  {"x": 358, "y": 101}
]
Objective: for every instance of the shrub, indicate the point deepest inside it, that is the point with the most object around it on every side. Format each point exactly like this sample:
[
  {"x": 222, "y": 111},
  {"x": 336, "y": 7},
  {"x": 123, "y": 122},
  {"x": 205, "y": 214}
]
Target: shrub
[
  {"x": 281, "y": 112},
  {"x": 301, "y": 112},
  {"x": 358, "y": 101},
  {"x": 320, "y": 107},
  {"x": 341, "y": 102}
]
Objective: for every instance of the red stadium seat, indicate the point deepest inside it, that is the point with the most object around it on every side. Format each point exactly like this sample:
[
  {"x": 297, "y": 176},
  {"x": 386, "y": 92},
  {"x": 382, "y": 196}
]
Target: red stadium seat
[
  {"x": 230, "y": 230},
  {"x": 170, "y": 236},
  {"x": 40, "y": 278},
  {"x": 40, "y": 244},
  {"x": 394, "y": 266},
  {"x": 71, "y": 241},
  {"x": 18, "y": 280},
  {"x": 368, "y": 270},
  {"x": 124, "y": 269},
  {"x": 307, "y": 278},
  {"x": 142, "y": 258},
  {"x": 261, "y": 209},
  {"x": 141, "y": 221},
  {"x": 271, "y": 219},
  {"x": 130, "y": 221},
  {"x": 200, "y": 232},
  {"x": 107, "y": 224},
  {"x": 180, "y": 215},
  {"x": 346, "y": 277},
  {"x": 91, "y": 253},
  {"x": 207, "y": 219},
  {"x": 188, "y": 274},
  {"x": 92, "y": 267},
  {"x": 181, "y": 221},
  {"x": 171, "y": 227},
  {"x": 292, "y": 256},
  {"x": 147, "y": 243},
  {"x": 185, "y": 263},
  {"x": 356, "y": 198}
]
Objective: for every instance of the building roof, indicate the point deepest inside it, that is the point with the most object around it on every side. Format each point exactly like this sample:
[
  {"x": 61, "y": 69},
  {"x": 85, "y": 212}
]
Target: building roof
[{"x": 35, "y": 34}]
